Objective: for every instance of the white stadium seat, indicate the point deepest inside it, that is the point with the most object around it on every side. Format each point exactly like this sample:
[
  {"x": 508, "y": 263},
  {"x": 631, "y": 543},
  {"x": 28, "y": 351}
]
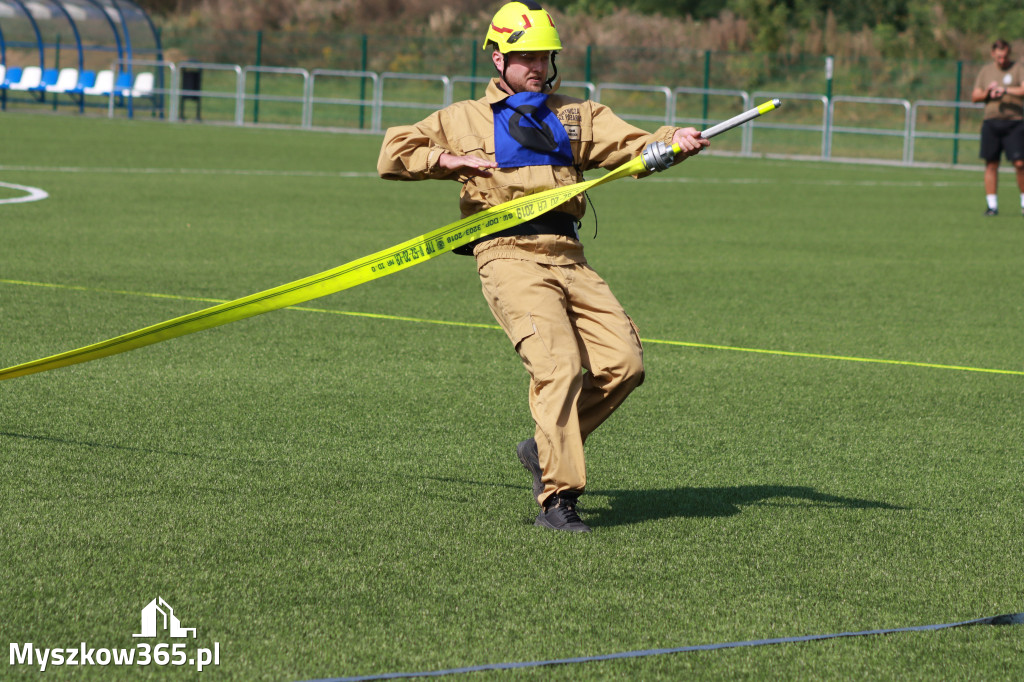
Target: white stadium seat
[
  {"x": 143, "y": 86},
  {"x": 66, "y": 80},
  {"x": 104, "y": 84}
]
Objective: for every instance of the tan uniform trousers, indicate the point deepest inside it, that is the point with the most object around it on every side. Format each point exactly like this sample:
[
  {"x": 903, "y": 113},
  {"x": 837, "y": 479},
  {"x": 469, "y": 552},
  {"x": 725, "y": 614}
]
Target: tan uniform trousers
[{"x": 563, "y": 319}]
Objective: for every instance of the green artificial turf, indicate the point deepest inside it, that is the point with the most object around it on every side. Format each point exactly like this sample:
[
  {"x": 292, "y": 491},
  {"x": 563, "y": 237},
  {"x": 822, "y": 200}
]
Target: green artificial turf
[{"x": 334, "y": 492}]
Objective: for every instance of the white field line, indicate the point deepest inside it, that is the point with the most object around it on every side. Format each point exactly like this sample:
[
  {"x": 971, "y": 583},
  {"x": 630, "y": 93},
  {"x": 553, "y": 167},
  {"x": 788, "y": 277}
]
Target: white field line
[
  {"x": 451, "y": 323},
  {"x": 32, "y": 194}
]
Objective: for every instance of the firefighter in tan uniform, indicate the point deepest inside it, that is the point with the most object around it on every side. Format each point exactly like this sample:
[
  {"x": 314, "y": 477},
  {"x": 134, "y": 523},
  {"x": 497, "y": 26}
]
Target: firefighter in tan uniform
[{"x": 580, "y": 348}]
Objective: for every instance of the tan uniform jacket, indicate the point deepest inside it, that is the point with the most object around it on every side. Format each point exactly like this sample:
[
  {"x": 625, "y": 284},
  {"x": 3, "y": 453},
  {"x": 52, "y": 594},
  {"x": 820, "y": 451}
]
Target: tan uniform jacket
[
  {"x": 1007, "y": 107},
  {"x": 598, "y": 137}
]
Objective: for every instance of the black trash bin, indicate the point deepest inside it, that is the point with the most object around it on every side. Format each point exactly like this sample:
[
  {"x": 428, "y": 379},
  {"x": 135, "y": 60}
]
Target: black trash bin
[{"x": 191, "y": 83}]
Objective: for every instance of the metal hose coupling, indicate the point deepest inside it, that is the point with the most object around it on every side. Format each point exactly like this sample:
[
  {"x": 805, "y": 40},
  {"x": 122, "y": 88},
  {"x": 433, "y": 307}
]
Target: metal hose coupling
[{"x": 657, "y": 157}]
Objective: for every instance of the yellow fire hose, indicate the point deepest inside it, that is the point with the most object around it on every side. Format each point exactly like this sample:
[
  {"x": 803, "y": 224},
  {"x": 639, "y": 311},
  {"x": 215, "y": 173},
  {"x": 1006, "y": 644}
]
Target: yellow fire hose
[{"x": 374, "y": 266}]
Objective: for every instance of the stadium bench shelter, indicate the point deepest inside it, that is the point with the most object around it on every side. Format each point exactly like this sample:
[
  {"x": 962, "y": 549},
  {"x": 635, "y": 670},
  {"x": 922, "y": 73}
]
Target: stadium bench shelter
[{"x": 54, "y": 51}]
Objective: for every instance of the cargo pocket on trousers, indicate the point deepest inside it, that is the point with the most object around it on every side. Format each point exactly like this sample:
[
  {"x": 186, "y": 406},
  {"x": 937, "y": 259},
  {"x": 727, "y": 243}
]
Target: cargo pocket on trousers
[
  {"x": 520, "y": 330},
  {"x": 532, "y": 349}
]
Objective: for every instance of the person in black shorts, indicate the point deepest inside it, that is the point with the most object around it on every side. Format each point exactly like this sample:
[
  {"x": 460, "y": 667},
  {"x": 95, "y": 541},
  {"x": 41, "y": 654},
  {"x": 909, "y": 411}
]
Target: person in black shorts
[{"x": 1000, "y": 85}]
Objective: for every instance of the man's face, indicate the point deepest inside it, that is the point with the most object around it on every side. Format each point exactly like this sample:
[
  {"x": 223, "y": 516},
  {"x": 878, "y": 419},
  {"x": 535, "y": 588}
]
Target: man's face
[
  {"x": 524, "y": 71},
  {"x": 1001, "y": 56}
]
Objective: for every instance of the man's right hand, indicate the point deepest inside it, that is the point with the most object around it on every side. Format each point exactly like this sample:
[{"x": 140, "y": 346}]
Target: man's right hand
[{"x": 470, "y": 165}]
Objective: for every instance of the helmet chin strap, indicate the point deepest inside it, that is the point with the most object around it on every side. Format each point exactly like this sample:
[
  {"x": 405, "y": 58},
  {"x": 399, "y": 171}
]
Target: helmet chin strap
[
  {"x": 554, "y": 73},
  {"x": 504, "y": 68}
]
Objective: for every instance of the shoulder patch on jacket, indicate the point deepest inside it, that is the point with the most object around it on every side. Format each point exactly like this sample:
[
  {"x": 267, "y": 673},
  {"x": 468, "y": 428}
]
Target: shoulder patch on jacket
[{"x": 570, "y": 118}]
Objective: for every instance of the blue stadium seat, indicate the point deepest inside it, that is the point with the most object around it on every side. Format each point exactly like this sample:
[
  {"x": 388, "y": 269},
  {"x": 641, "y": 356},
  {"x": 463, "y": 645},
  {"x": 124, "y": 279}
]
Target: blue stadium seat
[
  {"x": 13, "y": 76},
  {"x": 123, "y": 86},
  {"x": 86, "y": 79},
  {"x": 49, "y": 77}
]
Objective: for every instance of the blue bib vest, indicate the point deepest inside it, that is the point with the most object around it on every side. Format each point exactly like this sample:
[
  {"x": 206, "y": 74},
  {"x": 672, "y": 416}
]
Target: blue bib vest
[{"x": 527, "y": 133}]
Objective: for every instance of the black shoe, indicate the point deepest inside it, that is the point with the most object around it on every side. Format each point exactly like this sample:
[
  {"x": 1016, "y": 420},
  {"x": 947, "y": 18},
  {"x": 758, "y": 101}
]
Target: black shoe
[
  {"x": 527, "y": 451},
  {"x": 560, "y": 514},
  {"x": 991, "y": 211}
]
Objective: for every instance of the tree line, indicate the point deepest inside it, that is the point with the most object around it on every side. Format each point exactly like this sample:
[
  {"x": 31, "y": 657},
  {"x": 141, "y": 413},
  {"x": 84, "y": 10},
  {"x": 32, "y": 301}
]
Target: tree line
[{"x": 931, "y": 29}]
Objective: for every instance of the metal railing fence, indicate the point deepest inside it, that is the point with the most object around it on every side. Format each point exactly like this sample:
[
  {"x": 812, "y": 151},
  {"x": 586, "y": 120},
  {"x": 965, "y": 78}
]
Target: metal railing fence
[
  {"x": 361, "y": 100},
  {"x": 904, "y": 132}
]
